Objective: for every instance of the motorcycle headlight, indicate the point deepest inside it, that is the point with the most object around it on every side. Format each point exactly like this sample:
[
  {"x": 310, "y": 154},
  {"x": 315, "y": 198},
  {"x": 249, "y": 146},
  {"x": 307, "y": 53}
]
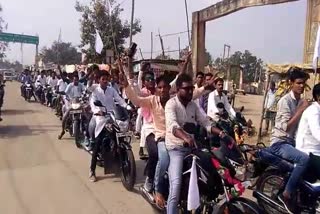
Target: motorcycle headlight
[
  {"x": 123, "y": 125},
  {"x": 75, "y": 105}
]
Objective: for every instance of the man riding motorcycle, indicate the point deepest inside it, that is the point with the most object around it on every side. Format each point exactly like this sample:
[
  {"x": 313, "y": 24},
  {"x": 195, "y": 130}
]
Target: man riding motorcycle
[
  {"x": 52, "y": 82},
  {"x": 73, "y": 90},
  {"x": 25, "y": 79},
  {"x": 308, "y": 134},
  {"x": 217, "y": 96},
  {"x": 39, "y": 84},
  {"x": 289, "y": 110},
  {"x": 180, "y": 110},
  {"x": 107, "y": 96}
]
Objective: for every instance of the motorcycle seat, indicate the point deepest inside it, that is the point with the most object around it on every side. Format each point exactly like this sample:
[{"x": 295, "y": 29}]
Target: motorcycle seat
[
  {"x": 274, "y": 160},
  {"x": 315, "y": 187}
]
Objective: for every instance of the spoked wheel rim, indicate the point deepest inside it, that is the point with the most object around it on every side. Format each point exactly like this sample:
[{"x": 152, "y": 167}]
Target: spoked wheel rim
[{"x": 272, "y": 185}]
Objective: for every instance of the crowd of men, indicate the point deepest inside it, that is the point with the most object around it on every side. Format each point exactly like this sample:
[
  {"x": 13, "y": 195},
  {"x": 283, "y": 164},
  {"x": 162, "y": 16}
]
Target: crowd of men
[{"x": 166, "y": 106}]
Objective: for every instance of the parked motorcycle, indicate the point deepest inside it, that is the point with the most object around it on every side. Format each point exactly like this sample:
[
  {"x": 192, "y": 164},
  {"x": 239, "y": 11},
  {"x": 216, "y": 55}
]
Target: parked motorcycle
[
  {"x": 273, "y": 180},
  {"x": 114, "y": 128},
  {"x": 216, "y": 190}
]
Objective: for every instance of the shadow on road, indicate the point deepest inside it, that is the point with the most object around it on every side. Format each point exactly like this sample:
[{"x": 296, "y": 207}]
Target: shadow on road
[
  {"x": 22, "y": 130},
  {"x": 18, "y": 111}
]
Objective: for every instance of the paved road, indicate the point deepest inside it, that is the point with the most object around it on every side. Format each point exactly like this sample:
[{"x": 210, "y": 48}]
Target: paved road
[{"x": 39, "y": 174}]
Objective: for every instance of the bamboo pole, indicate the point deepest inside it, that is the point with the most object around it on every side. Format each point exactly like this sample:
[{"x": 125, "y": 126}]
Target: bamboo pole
[{"x": 263, "y": 108}]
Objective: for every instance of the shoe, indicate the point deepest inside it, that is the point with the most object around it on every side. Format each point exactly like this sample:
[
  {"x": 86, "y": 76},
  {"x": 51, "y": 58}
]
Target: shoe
[
  {"x": 287, "y": 203},
  {"x": 92, "y": 177},
  {"x": 141, "y": 153},
  {"x": 137, "y": 135},
  {"x": 148, "y": 185},
  {"x": 61, "y": 135},
  {"x": 159, "y": 200}
]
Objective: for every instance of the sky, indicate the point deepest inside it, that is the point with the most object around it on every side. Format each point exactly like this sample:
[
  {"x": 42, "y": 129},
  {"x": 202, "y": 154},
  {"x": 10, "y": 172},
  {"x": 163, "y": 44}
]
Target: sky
[{"x": 274, "y": 33}]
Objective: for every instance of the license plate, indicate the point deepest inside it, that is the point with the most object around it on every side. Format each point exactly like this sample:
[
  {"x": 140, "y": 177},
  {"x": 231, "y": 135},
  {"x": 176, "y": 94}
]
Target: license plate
[{"x": 75, "y": 111}]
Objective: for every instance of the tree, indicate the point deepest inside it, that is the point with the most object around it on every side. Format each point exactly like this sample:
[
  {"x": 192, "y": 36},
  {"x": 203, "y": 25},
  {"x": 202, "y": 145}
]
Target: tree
[
  {"x": 163, "y": 57},
  {"x": 113, "y": 30},
  {"x": 3, "y": 45},
  {"x": 252, "y": 66},
  {"x": 61, "y": 53},
  {"x": 208, "y": 60},
  {"x": 17, "y": 66}
]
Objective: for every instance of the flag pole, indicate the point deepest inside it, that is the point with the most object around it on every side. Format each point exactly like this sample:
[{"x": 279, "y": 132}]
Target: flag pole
[{"x": 315, "y": 72}]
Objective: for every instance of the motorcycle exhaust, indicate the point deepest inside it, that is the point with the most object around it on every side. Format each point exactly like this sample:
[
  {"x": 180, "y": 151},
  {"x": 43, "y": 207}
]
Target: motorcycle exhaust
[
  {"x": 150, "y": 199},
  {"x": 263, "y": 197}
]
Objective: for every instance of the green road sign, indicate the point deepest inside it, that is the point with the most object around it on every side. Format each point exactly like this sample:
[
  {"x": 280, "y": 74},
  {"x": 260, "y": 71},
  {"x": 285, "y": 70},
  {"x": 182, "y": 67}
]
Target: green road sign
[{"x": 19, "y": 38}]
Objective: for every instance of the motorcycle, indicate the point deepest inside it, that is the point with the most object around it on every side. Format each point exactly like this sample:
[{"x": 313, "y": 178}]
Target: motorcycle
[
  {"x": 76, "y": 121},
  {"x": 218, "y": 192},
  {"x": 114, "y": 129},
  {"x": 2, "y": 85},
  {"x": 28, "y": 92},
  {"x": 48, "y": 94},
  {"x": 273, "y": 180},
  {"x": 40, "y": 94}
]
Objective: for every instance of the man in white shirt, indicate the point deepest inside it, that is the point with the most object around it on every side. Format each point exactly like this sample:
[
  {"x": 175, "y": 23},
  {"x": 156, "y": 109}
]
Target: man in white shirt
[
  {"x": 41, "y": 80},
  {"x": 217, "y": 96},
  {"x": 107, "y": 96},
  {"x": 269, "y": 103},
  {"x": 180, "y": 110},
  {"x": 308, "y": 134},
  {"x": 73, "y": 90},
  {"x": 53, "y": 80}
]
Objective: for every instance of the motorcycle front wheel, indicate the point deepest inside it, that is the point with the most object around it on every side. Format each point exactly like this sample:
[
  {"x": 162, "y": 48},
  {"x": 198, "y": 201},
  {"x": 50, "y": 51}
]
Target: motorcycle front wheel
[
  {"x": 238, "y": 206},
  {"x": 76, "y": 133},
  {"x": 270, "y": 183},
  {"x": 128, "y": 169}
]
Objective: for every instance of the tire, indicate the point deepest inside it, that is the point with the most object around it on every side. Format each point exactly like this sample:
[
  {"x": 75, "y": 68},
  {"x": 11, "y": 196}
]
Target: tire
[
  {"x": 275, "y": 187},
  {"x": 128, "y": 169},
  {"x": 76, "y": 133},
  {"x": 238, "y": 206}
]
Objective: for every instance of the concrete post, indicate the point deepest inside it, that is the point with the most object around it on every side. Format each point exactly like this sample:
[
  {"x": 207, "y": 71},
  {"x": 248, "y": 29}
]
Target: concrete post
[{"x": 198, "y": 43}]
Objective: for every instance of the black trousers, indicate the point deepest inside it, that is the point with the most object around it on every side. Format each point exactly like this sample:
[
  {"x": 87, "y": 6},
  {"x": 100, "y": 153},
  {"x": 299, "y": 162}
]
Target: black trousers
[
  {"x": 312, "y": 173},
  {"x": 152, "y": 149},
  {"x": 102, "y": 143}
]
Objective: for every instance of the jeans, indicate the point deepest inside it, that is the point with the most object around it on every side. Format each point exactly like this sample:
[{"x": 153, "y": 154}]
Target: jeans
[
  {"x": 153, "y": 156},
  {"x": 288, "y": 152},
  {"x": 162, "y": 166},
  {"x": 175, "y": 178}
]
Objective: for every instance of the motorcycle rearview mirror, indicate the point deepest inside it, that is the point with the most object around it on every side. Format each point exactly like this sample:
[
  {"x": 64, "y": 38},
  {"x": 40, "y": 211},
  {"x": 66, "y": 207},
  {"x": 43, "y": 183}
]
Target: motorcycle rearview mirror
[
  {"x": 98, "y": 103},
  {"x": 220, "y": 105},
  {"x": 241, "y": 109},
  {"x": 189, "y": 128}
]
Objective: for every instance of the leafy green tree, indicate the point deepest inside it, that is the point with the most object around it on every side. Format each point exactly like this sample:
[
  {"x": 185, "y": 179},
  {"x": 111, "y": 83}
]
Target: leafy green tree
[
  {"x": 252, "y": 66},
  {"x": 61, "y": 53},
  {"x": 113, "y": 30}
]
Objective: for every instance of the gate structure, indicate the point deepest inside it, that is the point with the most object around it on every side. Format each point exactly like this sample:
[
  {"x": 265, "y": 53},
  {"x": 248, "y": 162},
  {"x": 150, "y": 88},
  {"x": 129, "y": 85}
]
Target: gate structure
[
  {"x": 20, "y": 38},
  {"x": 225, "y": 7}
]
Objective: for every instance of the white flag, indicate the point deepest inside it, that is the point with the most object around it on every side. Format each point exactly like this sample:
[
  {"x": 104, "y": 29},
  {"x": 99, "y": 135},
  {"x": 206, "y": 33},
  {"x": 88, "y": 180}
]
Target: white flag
[
  {"x": 99, "y": 43},
  {"x": 193, "y": 193},
  {"x": 316, "y": 49}
]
